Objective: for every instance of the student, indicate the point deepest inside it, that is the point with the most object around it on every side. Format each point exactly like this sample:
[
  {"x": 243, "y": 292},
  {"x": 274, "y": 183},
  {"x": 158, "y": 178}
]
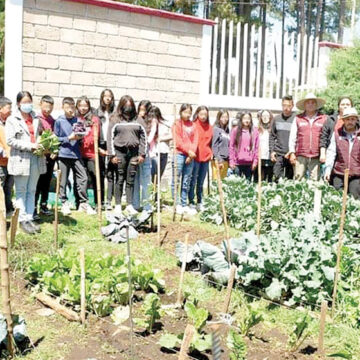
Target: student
[
  {"x": 265, "y": 121},
  {"x": 22, "y": 130},
  {"x": 43, "y": 185},
  {"x": 70, "y": 158},
  {"x": 87, "y": 145},
  {"x": 141, "y": 196},
  {"x": 107, "y": 168},
  {"x": 203, "y": 156},
  {"x": 243, "y": 148},
  {"x": 186, "y": 138},
  {"x": 6, "y": 180},
  {"x": 160, "y": 143},
  {"x": 126, "y": 146},
  {"x": 220, "y": 144}
]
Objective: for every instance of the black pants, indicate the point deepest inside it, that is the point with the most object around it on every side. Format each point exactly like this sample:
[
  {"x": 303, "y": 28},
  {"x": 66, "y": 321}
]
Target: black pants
[
  {"x": 266, "y": 171},
  {"x": 126, "y": 171},
  {"x": 243, "y": 170},
  {"x": 80, "y": 178},
  {"x": 354, "y": 184},
  {"x": 91, "y": 172},
  {"x": 43, "y": 185},
  {"x": 282, "y": 168},
  {"x": 111, "y": 174},
  {"x": 7, "y": 183},
  {"x": 163, "y": 163}
]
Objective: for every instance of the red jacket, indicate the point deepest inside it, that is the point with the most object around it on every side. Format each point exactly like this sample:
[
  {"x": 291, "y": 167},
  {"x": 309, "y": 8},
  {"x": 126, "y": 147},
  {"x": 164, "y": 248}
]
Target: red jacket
[
  {"x": 186, "y": 136},
  {"x": 344, "y": 160},
  {"x": 308, "y": 135},
  {"x": 205, "y": 134},
  {"x": 87, "y": 143}
]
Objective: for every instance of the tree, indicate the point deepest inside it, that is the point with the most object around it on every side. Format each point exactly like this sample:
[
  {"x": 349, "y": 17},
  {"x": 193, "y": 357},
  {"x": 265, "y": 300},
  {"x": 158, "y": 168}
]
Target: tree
[{"x": 341, "y": 21}]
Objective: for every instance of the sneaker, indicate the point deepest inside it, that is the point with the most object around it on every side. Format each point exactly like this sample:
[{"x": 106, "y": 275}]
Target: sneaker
[
  {"x": 179, "y": 209},
  {"x": 200, "y": 207},
  {"x": 193, "y": 208},
  {"x": 65, "y": 209},
  {"x": 26, "y": 227},
  {"x": 35, "y": 226},
  {"x": 130, "y": 210},
  {"x": 36, "y": 216},
  {"x": 85, "y": 207},
  {"x": 108, "y": 207},
  {"x": 190, "y": 211},
  {"x": 118, "y": 210},
  {"x": 45, "y": 211}
]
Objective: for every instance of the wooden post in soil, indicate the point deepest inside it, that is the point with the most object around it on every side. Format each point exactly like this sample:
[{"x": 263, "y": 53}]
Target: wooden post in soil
[
  {"x": 222, "y": 203},
  {"x": 174, "y": 164},
  {"x": 13, "y": 226},
  {"x": 97, "y": 172},
  {"x": 158, "y": 193},
  {"x": 5, "y": 275},
  {"x": 258, "y": 222},
  {"x": 185, "y": 345},
  {"x": 56, "y": 210},
  {"x": 229, "y": 289},
  {"x": 183, "y": 267},
  {"x": 154, "y": 199},
  {"x": 317, "y": 203},
  {"x": 340, "y": 243},
  {"x": 130, "y": 292},
  {"x": 324, "y": 307},
  {"x": 82, "y": 287}
]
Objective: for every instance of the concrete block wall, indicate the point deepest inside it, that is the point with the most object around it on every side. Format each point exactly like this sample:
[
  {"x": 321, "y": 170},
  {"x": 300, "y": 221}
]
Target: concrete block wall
[{"x": 74, "y": 49}]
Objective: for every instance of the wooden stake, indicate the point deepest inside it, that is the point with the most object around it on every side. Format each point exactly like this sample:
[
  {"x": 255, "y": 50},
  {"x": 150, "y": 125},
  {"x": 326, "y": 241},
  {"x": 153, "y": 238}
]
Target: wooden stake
[
  {"x": 229, "y": 289},
  {"x": 158, "y": 194},
  {"x": 56, "y": 210},
  {"x": 324, "y": 307},
  {"x": 97, "y": 172},
  {"x": 341, "y": 235},
  {"x": 13, "y": 226},
  {"x": 82, "y": 287},
  {"x": 259, "y": 196},
  {"x": 155, "y": 192},
  {"x": 317, "y": 203},
  {"x": 183, "y": 267},
  {"x": 185, "y": 345},
  {"x": 175, "y": 163},
  {"x": 5, "y": 276},
  {"x": 60, "y": 309},
  {"x": 221, "y": 194}
]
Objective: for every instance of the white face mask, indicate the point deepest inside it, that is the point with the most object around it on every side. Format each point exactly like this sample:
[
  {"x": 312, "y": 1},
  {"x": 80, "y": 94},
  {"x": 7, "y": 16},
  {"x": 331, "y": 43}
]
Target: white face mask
[{"x": 26, "y": 108}]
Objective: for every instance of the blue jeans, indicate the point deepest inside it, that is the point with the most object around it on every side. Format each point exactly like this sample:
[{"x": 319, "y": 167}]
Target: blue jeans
[
  {"x": 184, "y": 172},
  {"x": 199, "y": 173},
  {"x": 7, "y": 183},
  {"x": 25, "y": 187},
  {"x": 142, "y": 182}
]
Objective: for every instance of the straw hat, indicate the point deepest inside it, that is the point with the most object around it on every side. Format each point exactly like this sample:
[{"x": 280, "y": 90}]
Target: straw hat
[
  {"x": 310, "y": 96},
  {"x": 350, "y": 112}
]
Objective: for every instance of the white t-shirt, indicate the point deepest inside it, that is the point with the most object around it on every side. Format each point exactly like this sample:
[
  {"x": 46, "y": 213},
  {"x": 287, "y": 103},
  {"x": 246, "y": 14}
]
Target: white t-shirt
[{"x": 105, "y": 125}]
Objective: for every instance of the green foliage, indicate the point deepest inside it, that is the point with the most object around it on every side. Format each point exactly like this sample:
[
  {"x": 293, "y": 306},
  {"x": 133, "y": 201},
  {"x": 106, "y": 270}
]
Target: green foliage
[
  {"x": 48, "y": 142},
  {"x": 106, "y": 279},
  {"x": 247, "y": 315},
  {"x": 343, "y": 75},
  {"x": 151, "y": 309},
  {"x": 300, "y": 333},
  {"x": 236, "y": 345}
]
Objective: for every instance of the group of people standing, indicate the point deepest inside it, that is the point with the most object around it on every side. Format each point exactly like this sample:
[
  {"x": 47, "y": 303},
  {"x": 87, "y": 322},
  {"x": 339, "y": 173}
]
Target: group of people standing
[{"x": 132, "y": 139}]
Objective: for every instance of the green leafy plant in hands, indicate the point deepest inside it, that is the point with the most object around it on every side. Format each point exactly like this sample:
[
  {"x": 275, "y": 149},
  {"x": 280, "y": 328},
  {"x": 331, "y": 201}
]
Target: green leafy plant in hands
[
  {"x": 48, "y": 143},
  {"x": 151, "y": 309}
]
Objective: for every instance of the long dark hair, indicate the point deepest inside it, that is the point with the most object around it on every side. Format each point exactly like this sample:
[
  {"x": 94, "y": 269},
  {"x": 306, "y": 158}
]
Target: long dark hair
[
  {"x": 118, "y": 114},
  {"x": 217, "y": 121},
  {"x": 200, "y": 108},
  {"x": 183, "y": 107},
  {"x": 21, "y": 95},
  {"x": 88, "y": 116},
  {"x": 239, "y": 128},
  {"x": 147, "y": 106},
  {"x": 111, "y": 105},
  {"x": 263, "y": 126}
]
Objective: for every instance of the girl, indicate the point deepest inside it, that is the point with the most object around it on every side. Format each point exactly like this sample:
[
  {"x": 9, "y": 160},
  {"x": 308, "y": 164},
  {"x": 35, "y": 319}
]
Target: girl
[
  {"x": 87, "y": 148},
  {"x": 203, "y": 155},
  {"x": 220, "y": 144},
  {"x": 243, "y": 149},
  {"x": 143, "y": 175},
  {"x": 126, "y": 146},
  {"x": 186, "y": 138},
  {"x": 265, "y": 121},
  {"x": 107, "y": 168},
  {"x": 22, "y": 130},
  {"x": 160, "y": 142}
]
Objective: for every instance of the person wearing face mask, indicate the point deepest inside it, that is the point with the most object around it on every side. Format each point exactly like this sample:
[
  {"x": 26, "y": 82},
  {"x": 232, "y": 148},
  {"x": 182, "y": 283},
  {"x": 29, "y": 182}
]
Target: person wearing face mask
[{"x": 22, "y": 130}]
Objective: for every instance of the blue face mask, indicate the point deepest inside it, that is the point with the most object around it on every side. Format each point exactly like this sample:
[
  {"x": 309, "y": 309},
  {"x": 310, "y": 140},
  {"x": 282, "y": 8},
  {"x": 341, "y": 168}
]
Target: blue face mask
[{"x": 26, "y": 108}]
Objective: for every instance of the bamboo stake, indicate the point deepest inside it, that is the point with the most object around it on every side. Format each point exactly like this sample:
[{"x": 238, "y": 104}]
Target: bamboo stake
[
  {"x": 158, "y": 194},
  {"x": 324, "y": 307},
  {"x": 97, "y": 172},
  {"x": 317, "y": 203},
  {"x": 13, "y": 226},
  {"x": 5, "y": 276},
  {"x": 221, "y": 194},
  {"x": 341, "y": 235},
  {"x": 82, "y": 286},
  {"x": 130, "y": 292},
  {"x": 229, "y": 289},
  {"x": 155, "y": 192},
  {"x": 56, "y": 210},
  {"x": 189, "y": 332},
  {"x": 183, "y": 267},
  {"x": 175, "y": 164},
  {"x": 259, "y": 195}
]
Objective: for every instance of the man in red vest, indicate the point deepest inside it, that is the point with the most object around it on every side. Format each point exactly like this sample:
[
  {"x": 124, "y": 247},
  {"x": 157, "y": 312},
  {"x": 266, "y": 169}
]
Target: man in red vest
[
  {"x": 304, "y": 140},
  {"x": 344, "y": 153}
]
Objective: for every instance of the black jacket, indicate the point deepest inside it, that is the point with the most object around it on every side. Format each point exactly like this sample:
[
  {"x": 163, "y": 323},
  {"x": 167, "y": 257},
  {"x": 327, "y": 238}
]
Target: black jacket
[
  {"x": 220, "y": 144},
  {"x": 280, "y": 133},
  {"x": 328, "y": 130}
]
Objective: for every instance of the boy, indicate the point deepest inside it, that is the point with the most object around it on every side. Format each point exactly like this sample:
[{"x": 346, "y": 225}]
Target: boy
[
  {"x": 70, "y": 158},
  {"x": 43, "y": 185},
  {"x": 6, "y": 180}
]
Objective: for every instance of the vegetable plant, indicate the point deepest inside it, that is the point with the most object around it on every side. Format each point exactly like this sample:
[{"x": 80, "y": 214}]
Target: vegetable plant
[
  {"x": 48, "y": 143},
  {"x": 236, "y": 345},
  {"x": 151, "y": 309}
]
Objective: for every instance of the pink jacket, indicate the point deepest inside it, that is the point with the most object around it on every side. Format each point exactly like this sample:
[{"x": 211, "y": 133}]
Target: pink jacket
[{"x": 243, "y": 154}]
